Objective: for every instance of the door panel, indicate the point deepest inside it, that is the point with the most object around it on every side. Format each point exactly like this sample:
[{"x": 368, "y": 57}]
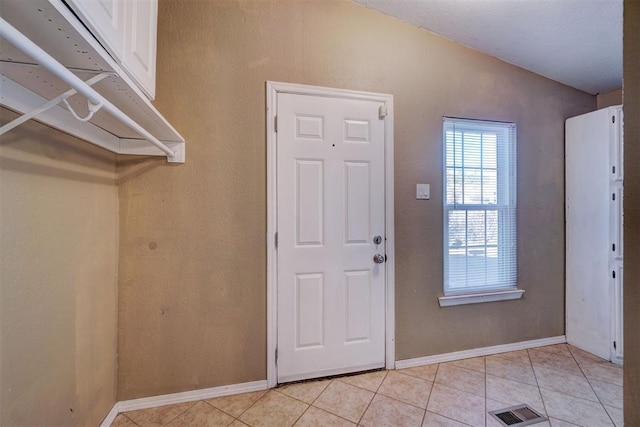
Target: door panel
[
  {"x": 330, "y": 205},
  {"x": 358, "y": 306},
  {"x": 309, "y": 202},
  {"x": 309, "y": 310},
  {"x": 358, "y": 203}
]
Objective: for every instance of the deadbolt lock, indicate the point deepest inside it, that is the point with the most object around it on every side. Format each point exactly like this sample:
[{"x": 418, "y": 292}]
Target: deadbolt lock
[{"x": 377, "y": 240}]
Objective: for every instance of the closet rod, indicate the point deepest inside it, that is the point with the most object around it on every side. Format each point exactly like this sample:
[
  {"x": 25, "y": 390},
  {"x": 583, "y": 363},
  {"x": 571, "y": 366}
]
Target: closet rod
[{"x": 24, "y": 44}]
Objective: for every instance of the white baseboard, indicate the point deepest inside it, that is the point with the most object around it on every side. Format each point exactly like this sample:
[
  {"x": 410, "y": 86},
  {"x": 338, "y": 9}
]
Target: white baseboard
[
  {"x": 111, "y": 416},
  {"x": 190, "y": 396},
  {"x": 186, "y": 396},
  {"x": 477, "y": 352}
]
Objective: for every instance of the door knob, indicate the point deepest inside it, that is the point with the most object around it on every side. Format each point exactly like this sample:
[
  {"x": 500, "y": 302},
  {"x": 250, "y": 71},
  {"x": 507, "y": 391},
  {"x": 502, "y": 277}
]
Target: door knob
[{"x": 378, "y": 259}]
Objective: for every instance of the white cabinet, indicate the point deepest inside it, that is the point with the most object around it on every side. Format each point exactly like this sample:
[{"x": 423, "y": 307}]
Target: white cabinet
[
  {"x": 127, "y": 29},
  {"x": 594, "y": 218},
  {"x": 105, "y": 19},
  {"x": 139, "y": 59}
]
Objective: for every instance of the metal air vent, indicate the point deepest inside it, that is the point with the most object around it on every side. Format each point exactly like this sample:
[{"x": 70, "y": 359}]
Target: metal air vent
[{"x": 517, "y": 416}]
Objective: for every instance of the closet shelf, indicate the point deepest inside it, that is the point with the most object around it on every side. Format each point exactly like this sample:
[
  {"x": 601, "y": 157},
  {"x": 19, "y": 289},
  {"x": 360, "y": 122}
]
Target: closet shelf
[{"x": 47, "y": 55}]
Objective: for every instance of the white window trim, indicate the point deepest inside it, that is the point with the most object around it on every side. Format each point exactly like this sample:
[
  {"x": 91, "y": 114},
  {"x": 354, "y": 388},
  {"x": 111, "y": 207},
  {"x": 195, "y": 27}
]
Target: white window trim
[
  {"x": 474, "y": 296},
  {"x": 478, "y": 297}
]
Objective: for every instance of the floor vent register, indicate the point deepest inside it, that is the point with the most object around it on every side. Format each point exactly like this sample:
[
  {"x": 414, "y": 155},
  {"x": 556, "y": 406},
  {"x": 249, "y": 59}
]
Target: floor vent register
[{"x": 517, "y": 416}]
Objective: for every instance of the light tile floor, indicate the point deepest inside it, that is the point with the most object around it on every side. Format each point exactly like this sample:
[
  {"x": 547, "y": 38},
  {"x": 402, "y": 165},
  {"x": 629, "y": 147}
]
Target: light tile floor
[{"x": 568, "y": 385}]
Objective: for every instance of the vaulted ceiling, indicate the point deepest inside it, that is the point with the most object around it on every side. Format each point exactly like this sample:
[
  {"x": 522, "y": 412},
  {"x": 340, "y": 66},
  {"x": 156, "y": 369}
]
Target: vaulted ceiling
[{"x": 575, "y": 42}]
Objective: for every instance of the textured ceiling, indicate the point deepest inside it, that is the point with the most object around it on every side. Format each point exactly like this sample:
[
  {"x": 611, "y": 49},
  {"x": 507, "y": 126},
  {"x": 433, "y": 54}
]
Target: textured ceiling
[{"x": 575, "y": 42}]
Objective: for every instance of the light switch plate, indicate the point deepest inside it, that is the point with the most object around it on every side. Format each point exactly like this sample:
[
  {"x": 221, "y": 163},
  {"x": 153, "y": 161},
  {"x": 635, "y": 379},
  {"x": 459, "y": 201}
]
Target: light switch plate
[{"x": 423, "y": 191}]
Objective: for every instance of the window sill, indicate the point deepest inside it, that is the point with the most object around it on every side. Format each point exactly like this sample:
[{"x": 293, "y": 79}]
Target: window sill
[{"x": 479, "y": 297}]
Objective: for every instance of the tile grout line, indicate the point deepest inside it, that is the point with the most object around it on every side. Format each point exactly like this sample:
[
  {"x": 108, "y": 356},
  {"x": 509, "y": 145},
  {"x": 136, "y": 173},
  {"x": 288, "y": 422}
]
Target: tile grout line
[
  {"x": 214, "y": 407},
  {"x": 598, "y": 396},
  {"x": 181, "y": 413},
  {"x": 559, "y": 370},
  {"x": 530, "y": 365},
  {"x": 499, "y": 356},
  {"x": 320, "y": 409},
  {"x": 170, "y": 421},
  {"x": 319, "y": 394},
  {"x": 449, "y": 418},
  {"x": 218, "y": 409},
  {"x": 329, "y": 383},
  {"x": 544, "y": 405},
  {"x": 238, "y": 417},
  {"x": 375, "y": 393},
  {"x": 301, "y": 415},
  {"x": 129, "y": 419},
  {"x": 251, "y": 406},
  {"x": 401, "y": 401},
  {"x": 411, "y": 404},
  {"x": 608, "y": 364},
  {"x": 302, "y": 401},
  {"x": 361, "y": 388},
  {"x": 569, "y": 394},
  {"x": 594, "y": 392},
  {"x": 433, "y": 383},
  {"x": 453, "y": 388},
  {"x": 586, "y": 360},
  {"x": 584, "y": 376},
  {"x": 366, "y": 409}
]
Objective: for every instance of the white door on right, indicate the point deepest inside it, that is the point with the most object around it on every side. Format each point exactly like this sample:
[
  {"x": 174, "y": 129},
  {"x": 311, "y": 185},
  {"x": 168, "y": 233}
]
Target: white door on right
[
  {"x": 592, "y": 248},
  {"x": 331, "y": 236}
]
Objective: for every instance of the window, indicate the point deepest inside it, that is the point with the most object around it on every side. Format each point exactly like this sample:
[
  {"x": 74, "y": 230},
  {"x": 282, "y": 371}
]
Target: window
[{"x": 479, "y": 207}]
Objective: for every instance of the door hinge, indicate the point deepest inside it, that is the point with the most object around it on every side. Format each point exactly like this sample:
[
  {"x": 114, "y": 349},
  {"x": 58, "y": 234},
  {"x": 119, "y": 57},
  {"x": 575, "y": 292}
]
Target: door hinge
[
  {"x": 613, "y": 247},
  {"x": 276, "y": 356},
  {"x": 275, "y": 239},
  {"x": 614, "y": 345},
  {"x": 275, "y": 123},
  {"x": 613, "y": 196},
  {"x": 613, "y": 274},
  {"x": 613, "y": 119},
  {"x": 382, "y": 111}
]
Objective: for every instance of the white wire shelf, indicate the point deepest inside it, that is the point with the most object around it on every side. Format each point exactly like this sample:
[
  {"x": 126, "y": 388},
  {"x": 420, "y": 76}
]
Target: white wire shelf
[{"x": 126, "y": 121}]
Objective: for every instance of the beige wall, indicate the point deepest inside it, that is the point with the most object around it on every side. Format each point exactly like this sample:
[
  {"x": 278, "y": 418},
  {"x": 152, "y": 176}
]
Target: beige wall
[
  {"x": 632, "y": 213},
  {"x": 58, "y": 283},
  {"x": 193, "y": 260},
  {"x": 609, "y": 99}
]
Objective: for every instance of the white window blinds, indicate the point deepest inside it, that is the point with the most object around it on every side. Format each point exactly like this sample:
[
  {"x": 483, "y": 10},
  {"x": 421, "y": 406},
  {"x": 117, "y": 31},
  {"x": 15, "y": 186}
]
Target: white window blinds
[{"x": 480, "y": 239}]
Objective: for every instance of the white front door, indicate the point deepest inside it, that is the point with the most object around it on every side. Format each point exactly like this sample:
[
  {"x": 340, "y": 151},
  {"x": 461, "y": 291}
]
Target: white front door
[{"x": 330, "y": 208}]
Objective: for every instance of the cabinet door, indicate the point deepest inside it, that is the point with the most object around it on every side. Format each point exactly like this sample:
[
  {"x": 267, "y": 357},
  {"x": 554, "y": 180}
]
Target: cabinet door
[
  {"x": 617, "y": 345},
  {"x": 105, "y": 20},
  {"x": 617, "y": 146},
  {"x": 616, "y": 218},
  {"x": 139, "y": 59},
  {"x": 588, "y": 234}
]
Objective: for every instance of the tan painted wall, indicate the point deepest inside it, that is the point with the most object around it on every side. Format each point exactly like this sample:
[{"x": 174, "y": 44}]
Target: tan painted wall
[
  {"x": 193, "y": 257},
  {"x": 609, "y": 99},
  {"x": 632, "y": 213},
  {"x": 58, "y": 283}
]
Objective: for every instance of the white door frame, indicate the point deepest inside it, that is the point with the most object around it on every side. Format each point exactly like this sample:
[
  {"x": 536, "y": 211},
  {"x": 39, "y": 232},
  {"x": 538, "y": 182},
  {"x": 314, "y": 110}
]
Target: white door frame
[{"x": 273, "y": 88}]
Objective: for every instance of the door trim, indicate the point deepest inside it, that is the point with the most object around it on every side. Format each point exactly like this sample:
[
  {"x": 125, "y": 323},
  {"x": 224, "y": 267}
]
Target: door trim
[{"x": 273, "y": 89}]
